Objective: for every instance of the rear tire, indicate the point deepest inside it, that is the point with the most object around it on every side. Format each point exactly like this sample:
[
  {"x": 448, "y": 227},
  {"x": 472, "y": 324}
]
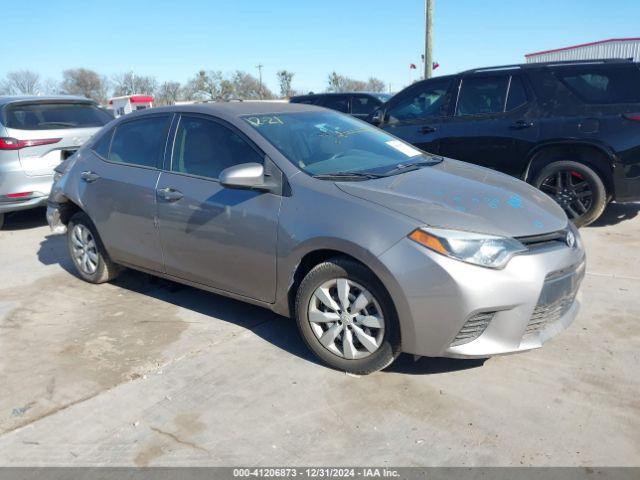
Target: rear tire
[
  {"x": 87, "y": 251},
  {"x": 578, "y": 189},
  {"x": 1, "y": 220},
  {"x": 362, "y": 315}
]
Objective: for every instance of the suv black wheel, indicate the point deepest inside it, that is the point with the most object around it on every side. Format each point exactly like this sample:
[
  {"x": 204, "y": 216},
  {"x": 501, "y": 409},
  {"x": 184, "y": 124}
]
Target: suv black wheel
[
  {"x": 346, "y": 317},
  {"x": 87, "y": 252},
  {"x": 576, "y": 188}
]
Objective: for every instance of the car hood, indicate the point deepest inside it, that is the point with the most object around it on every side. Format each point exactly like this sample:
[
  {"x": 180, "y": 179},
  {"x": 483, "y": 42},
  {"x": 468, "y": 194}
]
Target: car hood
[{"x": 462, "y": 196}]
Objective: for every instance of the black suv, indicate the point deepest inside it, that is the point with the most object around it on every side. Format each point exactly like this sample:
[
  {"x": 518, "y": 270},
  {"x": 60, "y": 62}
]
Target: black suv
[
  {"x": 571, "y": 129},
  {"x": 358, "y": 104}
]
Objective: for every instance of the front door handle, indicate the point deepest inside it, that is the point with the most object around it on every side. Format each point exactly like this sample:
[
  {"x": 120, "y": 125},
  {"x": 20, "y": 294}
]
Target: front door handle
[
  {"x": 427, "y": 129},
  {"x": 169, "y": 194},
  {"x": 520, "y": 125},
  {"x": 89, "y": 176}
]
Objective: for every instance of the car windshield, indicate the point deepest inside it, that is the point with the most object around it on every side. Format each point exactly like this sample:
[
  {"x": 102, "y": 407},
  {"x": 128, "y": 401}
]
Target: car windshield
[{"x": 328, "y": 143}]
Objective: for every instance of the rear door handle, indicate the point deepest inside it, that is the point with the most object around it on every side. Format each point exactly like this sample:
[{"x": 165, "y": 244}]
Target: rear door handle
[
  {"x": 520, "y": 125},
  {"x": 89, "y": 176},
  {"x": 169, "y": 194},
  {"x": 427, "y": 129}
]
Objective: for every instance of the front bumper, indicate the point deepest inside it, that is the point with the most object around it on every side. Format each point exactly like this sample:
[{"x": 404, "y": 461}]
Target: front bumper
[{"x": 438, "y": 298}]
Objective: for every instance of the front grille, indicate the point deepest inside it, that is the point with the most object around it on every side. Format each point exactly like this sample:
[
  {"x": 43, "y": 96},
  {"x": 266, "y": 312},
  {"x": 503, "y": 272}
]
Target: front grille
[
  {"x": 558, "y": 294},
  {"x": 545, "y": 239},
  {"x": 473, "y": 328}
]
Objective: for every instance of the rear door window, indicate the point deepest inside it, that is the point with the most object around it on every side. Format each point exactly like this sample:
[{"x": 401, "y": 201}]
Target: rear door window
[
  {"x": 482, "y": 95},
  {"x": 101, "y": 146},
  {"x": 517, "y": 94},
  {"x": 54, "y": 116},
  {"x": 603, "y": 84},
  {"x": 335, "y": 102},
  {"x": 140, "y": 142},
  {"x": 363, "y": 104}
]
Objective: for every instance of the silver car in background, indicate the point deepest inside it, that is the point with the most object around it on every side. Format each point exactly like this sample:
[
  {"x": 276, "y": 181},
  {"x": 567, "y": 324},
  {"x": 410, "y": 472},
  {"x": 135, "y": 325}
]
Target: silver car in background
[
  {"x": 36, "y": 134},
  {"x": 373, "y": 246}
]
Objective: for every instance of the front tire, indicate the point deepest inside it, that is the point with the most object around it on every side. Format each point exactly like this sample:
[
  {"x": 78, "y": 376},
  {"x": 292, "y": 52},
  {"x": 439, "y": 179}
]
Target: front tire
[
  {"x": 576, "y": 188},
  {"x": 87, "y": 252},
  {"x": 346, "y": 317}
]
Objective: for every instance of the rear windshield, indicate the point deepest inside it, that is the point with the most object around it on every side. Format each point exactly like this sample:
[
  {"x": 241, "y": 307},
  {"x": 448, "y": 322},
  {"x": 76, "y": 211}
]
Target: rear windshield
[
  {"x": 48, "y": 116},
  {"x": 601, "y": 84}
]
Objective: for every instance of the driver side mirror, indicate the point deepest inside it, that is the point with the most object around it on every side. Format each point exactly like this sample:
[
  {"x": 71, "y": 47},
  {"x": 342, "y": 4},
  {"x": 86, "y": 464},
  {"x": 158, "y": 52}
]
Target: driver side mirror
[
  {"x": 245, "y": 175},
  {"x": 379, "y": 116}
]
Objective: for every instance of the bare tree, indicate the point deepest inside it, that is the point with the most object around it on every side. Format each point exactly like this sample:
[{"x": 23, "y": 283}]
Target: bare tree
[
  {"x": 340, "y": 83},
  {"x": 50, "y": 87},
  {"x": 209, "y": 85},
  {"x": 375, "y": 85},
  {"x": 336, "y": 82},
  {"x": 168, "y": 93},
  {"x": 284, "y": 79},
  {"x": 248, "y": 87},
  {"x": 84, "y": 82},
  {"x": 129, "y": 83},
  {"x": 22, "y": 82}
]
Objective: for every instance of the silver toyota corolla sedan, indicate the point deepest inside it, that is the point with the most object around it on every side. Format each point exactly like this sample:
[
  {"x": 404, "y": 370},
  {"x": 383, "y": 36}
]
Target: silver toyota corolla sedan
[
  {"x": 36, "y": 134},
  {"x": 374, "y": 247}
]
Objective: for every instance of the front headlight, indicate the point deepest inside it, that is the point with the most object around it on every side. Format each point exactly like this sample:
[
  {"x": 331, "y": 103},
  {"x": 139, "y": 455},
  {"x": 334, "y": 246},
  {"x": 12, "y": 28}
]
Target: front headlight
[{"x": 476, "y": 248}]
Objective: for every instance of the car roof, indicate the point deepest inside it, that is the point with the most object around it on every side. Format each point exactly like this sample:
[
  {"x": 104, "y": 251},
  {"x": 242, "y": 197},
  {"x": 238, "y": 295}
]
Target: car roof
[
  {"x": 328, "y": 94},
  {"x": 232, "y": 110},
  {"x": 539, "y": 65},
  {"x": 7, "y": 99}
]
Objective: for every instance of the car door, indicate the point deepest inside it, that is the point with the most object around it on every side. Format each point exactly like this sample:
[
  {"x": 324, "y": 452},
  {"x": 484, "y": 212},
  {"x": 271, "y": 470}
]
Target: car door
[
  {"x": 492, "y": 123},
  {"x": 117, "y": 189},
  {"x": 363, "y": 105},
  {"x": 220, "y": 237},
  {"x": 417, "y": 114}
]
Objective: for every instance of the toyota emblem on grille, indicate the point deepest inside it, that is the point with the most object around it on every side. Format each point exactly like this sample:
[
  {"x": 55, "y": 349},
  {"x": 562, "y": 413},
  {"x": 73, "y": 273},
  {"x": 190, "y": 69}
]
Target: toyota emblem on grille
[{"x": 570, "y": 239}]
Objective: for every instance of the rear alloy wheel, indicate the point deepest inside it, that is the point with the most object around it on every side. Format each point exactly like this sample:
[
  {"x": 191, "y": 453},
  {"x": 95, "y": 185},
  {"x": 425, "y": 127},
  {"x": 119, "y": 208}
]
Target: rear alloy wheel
[
  {"x": 87, "y": 252},
  {"x": 346, "y": 317},
  {"x": 576, "y": 188}
]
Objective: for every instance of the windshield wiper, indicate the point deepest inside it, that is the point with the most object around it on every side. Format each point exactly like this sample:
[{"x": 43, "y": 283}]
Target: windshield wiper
[
  {"x": 407, "y": 167},
  {"x": 345, "y": 175}
]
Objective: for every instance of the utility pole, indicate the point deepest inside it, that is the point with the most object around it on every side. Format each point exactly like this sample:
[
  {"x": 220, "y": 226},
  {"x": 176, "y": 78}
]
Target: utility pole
[
  {"x": 259, "y": 67},
  {"x": 428, "y": 38}
]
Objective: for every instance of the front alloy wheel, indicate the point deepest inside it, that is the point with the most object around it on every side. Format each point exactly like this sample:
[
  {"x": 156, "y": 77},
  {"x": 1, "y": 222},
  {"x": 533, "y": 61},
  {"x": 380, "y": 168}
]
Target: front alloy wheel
[{"x": 346, "y": 319}]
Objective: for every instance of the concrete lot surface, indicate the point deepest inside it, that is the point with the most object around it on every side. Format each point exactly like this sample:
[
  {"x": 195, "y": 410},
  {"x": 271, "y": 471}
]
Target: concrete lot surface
[{"x": 146, "y": 372}]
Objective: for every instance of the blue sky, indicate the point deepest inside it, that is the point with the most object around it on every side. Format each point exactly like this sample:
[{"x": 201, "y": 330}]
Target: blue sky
[{"x": 173, "y": 39}]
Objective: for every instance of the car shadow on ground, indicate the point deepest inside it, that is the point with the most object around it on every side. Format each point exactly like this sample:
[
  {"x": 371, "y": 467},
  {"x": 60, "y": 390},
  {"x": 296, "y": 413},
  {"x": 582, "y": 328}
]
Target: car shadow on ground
[
  {"x": 616, "y": 213},
  {"x": 275, "y": 329},
  {"x": 24, "y": 219}
]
